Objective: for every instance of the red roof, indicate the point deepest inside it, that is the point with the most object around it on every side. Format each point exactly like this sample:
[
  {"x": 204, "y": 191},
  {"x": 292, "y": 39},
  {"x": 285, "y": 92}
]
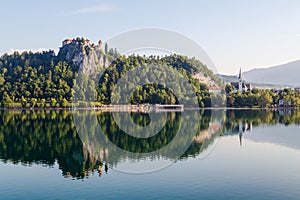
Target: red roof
[
  {"x": 215, "y": 88},
  {"x": 66, "y": 40}
]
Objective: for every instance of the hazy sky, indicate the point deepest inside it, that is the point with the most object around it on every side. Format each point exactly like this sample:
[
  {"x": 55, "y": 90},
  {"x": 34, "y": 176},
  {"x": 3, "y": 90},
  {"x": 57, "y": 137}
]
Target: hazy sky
[{"x": 234, "y": 33}]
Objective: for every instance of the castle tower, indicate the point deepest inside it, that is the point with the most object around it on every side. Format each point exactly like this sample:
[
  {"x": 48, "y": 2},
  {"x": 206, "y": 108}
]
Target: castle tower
[
  {"x": 67, "y": 41},
  {"x": 100, "y": 44}
]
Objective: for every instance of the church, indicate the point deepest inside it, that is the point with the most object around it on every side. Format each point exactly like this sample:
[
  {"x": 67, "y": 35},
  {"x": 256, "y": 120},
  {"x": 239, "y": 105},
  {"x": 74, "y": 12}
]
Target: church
[{"x": 241, "y": 85}]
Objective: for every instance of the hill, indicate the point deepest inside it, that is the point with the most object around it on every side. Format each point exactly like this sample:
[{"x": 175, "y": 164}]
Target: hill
[
  {"x": 47, "y": 80},
  {"x": 286, "y": 74}
]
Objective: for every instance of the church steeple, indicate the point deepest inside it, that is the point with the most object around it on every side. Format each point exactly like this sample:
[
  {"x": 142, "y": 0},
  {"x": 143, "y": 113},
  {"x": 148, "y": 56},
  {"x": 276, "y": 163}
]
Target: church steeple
[
  {"x": 241, "y": 85},
  {"x": 241, "y": 82},
  {"x": 240, "y": 74}
]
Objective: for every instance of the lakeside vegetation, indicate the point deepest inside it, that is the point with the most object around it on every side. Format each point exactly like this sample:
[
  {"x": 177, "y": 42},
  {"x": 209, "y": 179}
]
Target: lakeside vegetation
[
  {"x": 44, "y": 80},
  {"x": 262, "y": 98}
]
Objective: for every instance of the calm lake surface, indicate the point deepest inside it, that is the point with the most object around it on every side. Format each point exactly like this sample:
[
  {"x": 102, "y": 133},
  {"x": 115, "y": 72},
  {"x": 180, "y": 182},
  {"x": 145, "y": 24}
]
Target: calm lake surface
[{"x": 233, "y": 154}]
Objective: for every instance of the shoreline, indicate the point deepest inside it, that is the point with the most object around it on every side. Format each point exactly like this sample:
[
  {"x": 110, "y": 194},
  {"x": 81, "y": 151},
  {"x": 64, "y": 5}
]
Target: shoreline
[{"x": 130, "y": 109}]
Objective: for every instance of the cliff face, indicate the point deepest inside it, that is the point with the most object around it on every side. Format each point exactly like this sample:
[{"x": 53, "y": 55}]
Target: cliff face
[
  {"x": 87, "y": 57},
  {"x": 84, "y": 55},
  {"x": 208, "y": 80}
]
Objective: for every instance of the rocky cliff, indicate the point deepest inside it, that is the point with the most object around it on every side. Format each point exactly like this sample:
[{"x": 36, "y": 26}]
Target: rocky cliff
[
  {"x": 81, "y": 53},
  {"x": 87, "y": 57}
]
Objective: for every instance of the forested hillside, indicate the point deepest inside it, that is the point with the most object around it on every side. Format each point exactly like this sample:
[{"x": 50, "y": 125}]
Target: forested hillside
[{"x": 45, "y": 80}]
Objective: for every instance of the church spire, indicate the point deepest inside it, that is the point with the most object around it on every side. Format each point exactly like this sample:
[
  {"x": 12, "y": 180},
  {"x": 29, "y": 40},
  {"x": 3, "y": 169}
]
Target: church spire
[{"x": 240, "y": 74}]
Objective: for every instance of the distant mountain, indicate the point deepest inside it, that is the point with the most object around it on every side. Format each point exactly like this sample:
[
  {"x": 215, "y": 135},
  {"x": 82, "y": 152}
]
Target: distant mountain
[
  {"x": 286, "y": 74},
  {"x": 227, "y": 79}
]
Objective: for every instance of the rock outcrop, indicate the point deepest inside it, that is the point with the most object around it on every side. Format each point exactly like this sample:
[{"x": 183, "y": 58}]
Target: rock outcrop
[{"x": 84, "y": 55}]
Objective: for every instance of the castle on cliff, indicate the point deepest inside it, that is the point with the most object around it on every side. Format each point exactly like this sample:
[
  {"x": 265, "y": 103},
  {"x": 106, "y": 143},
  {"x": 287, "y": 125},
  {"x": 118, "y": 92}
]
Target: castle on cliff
[{"x": 81, "y": 41}]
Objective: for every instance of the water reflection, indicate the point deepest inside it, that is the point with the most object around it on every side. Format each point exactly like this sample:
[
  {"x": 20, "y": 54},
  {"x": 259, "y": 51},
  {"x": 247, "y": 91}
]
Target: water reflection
[{"x": 47, "y": 137}]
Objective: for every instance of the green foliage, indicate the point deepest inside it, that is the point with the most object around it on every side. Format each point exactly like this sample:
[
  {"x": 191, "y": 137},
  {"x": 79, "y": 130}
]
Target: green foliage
[
  {"x": 229, "y": 89},
  {"x": 53, "y": 102},
  {"x": 153, "y": 93},
  {"x": 261, "y": 98},
  {"x": 43, "y": 80},
  {"x": 34, "y": 79},
  {"x": 64, "y": 103},
  {"x": 265, "y": 99}
]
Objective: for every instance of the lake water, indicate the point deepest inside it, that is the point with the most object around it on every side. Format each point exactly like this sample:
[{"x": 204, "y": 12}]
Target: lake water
[{"x": 231, "y": 154}]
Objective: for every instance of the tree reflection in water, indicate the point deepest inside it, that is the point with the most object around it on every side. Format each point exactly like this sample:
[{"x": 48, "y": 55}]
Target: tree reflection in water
[{"x": 50, "y": 136}]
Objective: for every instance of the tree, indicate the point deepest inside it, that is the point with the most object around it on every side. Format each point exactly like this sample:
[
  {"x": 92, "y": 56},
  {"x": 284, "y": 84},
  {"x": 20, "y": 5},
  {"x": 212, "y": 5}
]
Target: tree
[
  {"x": 2, "y": 80},
  {"x": 6, "y": 101},
  {"x": 53, "y": 102},
  {"x": 106, "y": 48},
  {"x": 64, "y": 103},
  {"x": 42, "y": 103},
  {"x": 230, "y": 101},
  {"x": 23, "y": 101},
  {"x": 255, "y": 91},
  {"x": 33, "y": 102},
  {"x": 265, "y": 99},
  {"x": 229, "y": 89}
]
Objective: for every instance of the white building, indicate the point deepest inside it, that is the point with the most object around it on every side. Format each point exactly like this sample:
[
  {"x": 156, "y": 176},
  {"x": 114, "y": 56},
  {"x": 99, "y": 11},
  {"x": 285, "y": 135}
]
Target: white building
[
  {"x": 241, "y": 85},
  {"x": 215, "y": 89}
]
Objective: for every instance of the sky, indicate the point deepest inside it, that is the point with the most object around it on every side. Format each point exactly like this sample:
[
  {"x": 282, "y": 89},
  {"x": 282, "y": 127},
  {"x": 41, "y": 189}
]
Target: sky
[{"x": 235, "y": 34}]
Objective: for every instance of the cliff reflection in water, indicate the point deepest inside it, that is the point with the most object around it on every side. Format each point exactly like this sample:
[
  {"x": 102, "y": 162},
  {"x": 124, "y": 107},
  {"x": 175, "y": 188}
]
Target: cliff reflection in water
[{"x": 47, "y": 137}]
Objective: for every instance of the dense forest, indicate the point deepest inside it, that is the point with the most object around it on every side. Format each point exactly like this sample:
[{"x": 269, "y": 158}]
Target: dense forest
[{"x": 45, "y": 80}]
